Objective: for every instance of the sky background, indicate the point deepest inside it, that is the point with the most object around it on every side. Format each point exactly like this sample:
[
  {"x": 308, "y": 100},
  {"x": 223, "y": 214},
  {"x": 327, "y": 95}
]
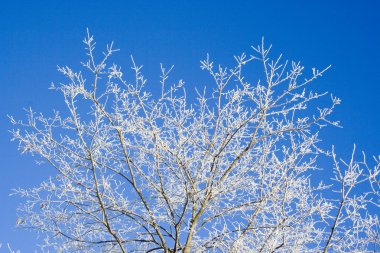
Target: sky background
[{"x": 36, "y": 36}]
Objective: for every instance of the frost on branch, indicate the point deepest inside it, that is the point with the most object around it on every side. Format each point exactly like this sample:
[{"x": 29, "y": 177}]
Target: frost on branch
[{"x": 230, "y": 170}]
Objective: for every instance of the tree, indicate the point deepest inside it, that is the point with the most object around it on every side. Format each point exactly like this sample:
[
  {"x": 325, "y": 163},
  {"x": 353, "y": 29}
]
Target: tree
[{"x": 233, "y": 170}]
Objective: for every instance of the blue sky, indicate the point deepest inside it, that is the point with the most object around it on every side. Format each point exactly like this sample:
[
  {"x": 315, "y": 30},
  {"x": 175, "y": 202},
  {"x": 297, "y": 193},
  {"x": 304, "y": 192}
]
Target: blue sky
[{"x": 36, "y": 36}]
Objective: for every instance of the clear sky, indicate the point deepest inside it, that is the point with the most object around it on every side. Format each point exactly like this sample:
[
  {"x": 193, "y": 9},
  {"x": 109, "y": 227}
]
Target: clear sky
[{"x": 36, "y": 36}]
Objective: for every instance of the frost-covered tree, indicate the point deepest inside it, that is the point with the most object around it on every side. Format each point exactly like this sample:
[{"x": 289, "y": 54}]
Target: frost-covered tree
[{"x": 235, "y": 168}]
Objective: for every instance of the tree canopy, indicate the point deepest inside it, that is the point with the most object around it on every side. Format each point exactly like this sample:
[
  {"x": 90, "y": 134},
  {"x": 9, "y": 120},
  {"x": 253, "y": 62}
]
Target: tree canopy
[{"x": 233, "y": 169}]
